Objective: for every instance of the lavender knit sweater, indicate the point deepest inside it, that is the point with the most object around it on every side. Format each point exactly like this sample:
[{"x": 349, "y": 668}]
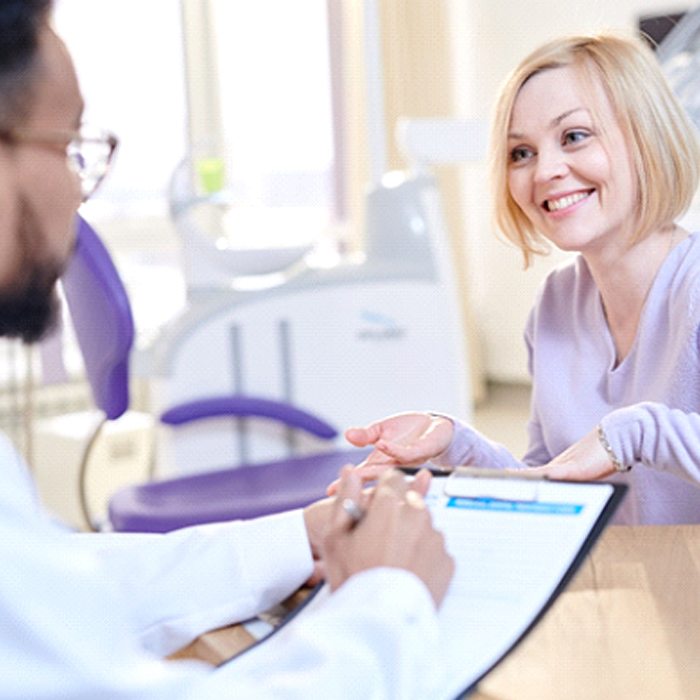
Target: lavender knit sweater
[{"x": 649, "y": 405}]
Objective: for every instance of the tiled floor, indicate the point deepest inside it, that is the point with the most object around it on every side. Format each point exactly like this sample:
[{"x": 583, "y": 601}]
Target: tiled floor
[{"x": 503, "y": 415}]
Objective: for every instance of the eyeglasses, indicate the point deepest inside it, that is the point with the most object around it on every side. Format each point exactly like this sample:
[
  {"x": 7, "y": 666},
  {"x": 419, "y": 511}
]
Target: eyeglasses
[{"x": 89, "y": 151}]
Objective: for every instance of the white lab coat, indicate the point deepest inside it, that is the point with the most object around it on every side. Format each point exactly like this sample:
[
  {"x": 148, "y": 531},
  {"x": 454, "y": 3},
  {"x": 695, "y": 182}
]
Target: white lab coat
[{"x": 85, "y": 616}]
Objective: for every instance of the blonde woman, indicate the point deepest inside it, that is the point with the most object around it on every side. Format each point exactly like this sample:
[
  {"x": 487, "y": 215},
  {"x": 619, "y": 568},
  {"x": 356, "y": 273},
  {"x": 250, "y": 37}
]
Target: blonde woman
[{"x": 593, "y": 154}]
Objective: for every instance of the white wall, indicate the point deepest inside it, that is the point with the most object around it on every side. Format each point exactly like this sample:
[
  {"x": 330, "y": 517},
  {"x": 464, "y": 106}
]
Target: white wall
[{"x": 489, "y": 39}]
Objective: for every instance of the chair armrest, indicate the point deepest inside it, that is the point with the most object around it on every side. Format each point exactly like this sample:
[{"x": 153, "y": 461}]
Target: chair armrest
[{"x": 246, "y": 406}]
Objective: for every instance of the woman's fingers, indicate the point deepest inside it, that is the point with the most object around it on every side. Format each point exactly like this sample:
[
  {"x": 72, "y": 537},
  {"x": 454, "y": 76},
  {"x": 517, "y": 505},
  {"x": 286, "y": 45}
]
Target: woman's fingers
[
  {"x": 405, "y": 455},
  {"x": 361, "y": 437}
]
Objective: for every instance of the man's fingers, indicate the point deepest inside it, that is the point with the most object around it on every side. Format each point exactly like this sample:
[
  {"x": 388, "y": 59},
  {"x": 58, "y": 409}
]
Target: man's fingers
[
  {"x": 421, "y": 482},
  {"x": 415, "y": 500},
  {"x": 369, "y": 469},
  {"x": 348, "y": 509},
  {"x": 364, "y": 472},
  {"x": 349, "y": 482}
]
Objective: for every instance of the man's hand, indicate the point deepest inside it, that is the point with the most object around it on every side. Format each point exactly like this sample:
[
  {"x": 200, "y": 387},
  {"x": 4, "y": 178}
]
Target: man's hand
[
  {"x": 318, "y": 515},
  {"x": 396, "y": 531}
]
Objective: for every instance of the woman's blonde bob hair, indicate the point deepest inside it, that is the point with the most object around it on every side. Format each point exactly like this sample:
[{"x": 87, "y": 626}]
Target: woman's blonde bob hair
[{"x": 661, "y": 139}]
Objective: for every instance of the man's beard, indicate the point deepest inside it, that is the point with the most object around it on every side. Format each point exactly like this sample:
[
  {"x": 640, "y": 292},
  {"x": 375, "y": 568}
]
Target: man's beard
[{"x": 29, "y": 306}]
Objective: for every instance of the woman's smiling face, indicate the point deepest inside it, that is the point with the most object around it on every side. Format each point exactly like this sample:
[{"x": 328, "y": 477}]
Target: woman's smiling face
[{"x": 577, "y": 188}]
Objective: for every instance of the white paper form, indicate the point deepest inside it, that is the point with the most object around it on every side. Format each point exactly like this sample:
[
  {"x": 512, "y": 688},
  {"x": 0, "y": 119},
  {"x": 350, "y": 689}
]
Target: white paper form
[{"x": 513, "y": 542}]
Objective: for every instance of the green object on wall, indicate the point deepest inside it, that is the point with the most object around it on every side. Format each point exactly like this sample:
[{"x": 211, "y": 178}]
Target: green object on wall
[{"x": 211, "y": 174}]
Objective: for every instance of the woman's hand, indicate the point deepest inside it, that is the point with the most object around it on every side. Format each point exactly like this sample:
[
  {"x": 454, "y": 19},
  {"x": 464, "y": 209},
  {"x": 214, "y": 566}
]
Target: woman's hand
[
  {"x": 585, "y": 460},
  {"x": 405, "y": 439}
]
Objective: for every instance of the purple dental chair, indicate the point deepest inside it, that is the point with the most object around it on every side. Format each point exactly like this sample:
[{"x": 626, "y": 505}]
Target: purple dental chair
[{"x": 104, "y": 327}]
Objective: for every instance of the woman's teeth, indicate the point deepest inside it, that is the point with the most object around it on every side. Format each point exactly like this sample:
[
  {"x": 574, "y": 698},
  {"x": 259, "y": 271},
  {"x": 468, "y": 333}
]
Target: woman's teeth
[{"x": 563, "y": 202}]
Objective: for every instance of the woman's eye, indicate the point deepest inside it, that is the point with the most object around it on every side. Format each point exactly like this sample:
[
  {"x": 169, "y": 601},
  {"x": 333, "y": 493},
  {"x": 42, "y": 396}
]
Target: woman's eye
[
  {"x": 520, "y": 154},
  {"x": 574, "y": 137}
]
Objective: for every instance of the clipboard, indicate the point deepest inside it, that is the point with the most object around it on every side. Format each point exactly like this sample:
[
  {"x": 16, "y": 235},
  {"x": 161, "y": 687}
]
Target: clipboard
[
  {"x": 477, "y": 637},
  {"x": 523, "y": 498}
]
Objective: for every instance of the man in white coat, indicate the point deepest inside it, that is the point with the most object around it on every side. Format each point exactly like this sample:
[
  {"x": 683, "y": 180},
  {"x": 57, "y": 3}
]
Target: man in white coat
[{"x": 92, "y": 615}]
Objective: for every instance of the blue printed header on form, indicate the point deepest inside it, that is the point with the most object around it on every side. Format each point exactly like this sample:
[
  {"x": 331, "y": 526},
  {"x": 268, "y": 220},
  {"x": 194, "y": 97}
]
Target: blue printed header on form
[{"x": 535, "y": 507}]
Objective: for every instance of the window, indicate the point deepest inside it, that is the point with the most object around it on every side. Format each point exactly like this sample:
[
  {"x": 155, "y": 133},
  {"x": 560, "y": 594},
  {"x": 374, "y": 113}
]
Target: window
[
  {"x": 264, "y": 99},
  {"x": 129, "y": 59},
  {"x": 273, "y": 84}
]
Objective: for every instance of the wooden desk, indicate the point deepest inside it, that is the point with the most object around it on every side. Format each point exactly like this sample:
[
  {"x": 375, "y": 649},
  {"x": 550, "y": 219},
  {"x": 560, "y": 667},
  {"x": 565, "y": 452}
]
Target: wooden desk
[{"x": 627, "y": 627}]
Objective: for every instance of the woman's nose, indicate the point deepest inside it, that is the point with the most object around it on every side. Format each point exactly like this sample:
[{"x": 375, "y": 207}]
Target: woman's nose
[{"x": 551, "y": 163}]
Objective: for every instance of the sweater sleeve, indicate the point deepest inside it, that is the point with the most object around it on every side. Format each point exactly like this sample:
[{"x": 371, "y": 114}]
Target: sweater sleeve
[
  {"x": 470, "y": 447},
  {"x": 537, "y": 452},
  {"x": 656, "y": 436}
]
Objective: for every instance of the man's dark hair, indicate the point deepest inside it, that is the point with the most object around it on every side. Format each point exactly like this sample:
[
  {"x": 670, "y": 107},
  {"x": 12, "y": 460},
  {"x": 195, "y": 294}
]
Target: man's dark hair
[{"x": 20, "y": 21}]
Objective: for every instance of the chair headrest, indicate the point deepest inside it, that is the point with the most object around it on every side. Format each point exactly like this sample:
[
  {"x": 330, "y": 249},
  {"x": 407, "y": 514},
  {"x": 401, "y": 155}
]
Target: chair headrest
[{"x": 102, "y": 319}]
